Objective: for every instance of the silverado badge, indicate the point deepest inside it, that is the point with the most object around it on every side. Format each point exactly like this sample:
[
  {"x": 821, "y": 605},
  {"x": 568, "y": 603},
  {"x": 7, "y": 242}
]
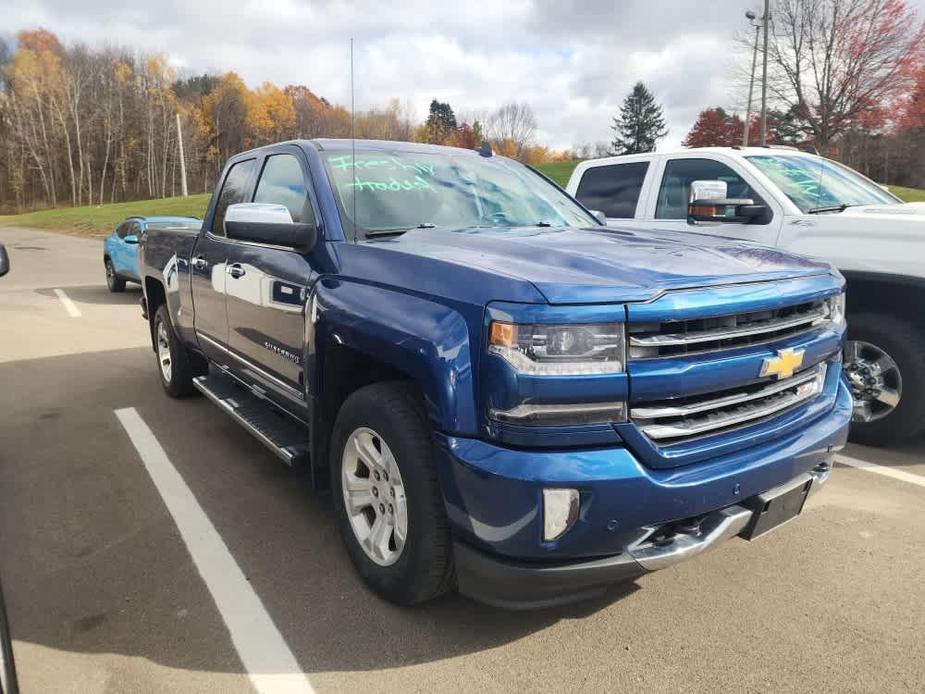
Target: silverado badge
[{"x": 784, "y": 364}]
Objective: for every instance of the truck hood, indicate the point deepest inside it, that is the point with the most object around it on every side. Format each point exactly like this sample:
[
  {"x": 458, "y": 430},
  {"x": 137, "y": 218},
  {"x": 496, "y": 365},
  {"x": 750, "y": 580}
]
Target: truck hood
[
  {"x": 906, "y": 212},
  {"x": 601, "y": 265}
]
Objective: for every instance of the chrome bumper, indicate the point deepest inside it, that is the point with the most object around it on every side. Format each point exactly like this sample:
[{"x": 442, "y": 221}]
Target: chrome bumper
[{"x": 653, "y": 552}]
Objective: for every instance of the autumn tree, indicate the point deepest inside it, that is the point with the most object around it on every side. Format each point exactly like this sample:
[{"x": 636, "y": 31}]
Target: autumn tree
[
  {"x": 715, "y": 128},
  {"x": 833, "y": 61},
  {"x": 271, "y": 115},
  {"x": 511, "y": 128},
  {"x": 640, "y": 125}
]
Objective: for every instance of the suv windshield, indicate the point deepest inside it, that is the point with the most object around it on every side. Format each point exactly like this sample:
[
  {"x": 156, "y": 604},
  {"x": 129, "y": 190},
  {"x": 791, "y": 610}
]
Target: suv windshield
[
  {"x": 401, "y": 190},
  {"x": 814, "y": 183}
]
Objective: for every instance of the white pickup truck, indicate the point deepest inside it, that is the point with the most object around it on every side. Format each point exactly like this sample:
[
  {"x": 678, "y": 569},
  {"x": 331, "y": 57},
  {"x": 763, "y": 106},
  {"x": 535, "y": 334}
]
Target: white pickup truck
[{"x": 805, "y": 204}]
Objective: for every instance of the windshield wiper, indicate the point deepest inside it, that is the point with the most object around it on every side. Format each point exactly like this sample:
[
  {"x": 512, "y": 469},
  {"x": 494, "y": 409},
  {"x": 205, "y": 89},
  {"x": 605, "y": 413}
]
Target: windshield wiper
[
  {"x": 373, "y": 233},
  {"x": 829, "y": 208},
  {"x": 543, "y": 224}
]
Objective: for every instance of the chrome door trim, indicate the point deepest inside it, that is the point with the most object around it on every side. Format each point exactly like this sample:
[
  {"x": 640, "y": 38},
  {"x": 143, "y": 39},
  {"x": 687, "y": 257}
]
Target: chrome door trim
[{"x": 270, "y": 380}]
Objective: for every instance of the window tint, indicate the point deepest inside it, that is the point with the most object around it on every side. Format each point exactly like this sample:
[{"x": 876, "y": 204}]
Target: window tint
[
  {"x": 282, "y": 182},
  {"x": 680, "y": 173},
  {"x": 122, "y": 229},
  {"x": 613, "y": 190},
  {"x": 233, "y": 191},
  {"x": 135, "y": 230}
]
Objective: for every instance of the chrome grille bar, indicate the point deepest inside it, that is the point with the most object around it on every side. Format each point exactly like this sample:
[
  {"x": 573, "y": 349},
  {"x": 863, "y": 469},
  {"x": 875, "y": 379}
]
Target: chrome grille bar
[{"x": 673, "y": 423}]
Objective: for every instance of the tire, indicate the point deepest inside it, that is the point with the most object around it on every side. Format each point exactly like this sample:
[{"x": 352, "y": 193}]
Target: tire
[
  {"x": 177, "y": 376},
  {"x": 392, "y": 416},
  {"x": 115, "y": 284},
  {"x": 904, "y": 344}
]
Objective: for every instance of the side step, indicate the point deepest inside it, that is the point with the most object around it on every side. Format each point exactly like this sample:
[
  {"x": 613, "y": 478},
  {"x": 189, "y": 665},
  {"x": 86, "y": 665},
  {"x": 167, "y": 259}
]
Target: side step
[{"x": 281, "y": 434}]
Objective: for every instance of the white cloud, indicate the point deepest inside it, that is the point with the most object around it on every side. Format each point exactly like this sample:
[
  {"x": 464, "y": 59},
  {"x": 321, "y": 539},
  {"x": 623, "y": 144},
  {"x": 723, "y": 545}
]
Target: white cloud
[{"x": 572, "y": 61}]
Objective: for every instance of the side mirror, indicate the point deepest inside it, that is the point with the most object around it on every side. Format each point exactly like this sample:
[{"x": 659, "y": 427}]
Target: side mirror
[
  {"x": 268, "y": 223},
  {"x": 708, "y": 203},
  {"x": 131, "y": 238},
  {"x": 599, "y": 216},
  {"x": 4, "y": 261}
]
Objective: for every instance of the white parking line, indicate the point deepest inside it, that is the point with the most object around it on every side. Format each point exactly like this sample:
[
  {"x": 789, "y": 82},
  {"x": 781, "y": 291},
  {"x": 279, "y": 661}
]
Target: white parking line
[
  {"x": 895, "y": 473},
  {"x": 69, "y": 305},
  {"x": 266, "y": 657}
]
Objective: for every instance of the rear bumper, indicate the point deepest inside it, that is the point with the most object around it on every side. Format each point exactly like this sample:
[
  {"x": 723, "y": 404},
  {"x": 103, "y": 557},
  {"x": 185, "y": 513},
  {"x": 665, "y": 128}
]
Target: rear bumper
[{"x": 493, "y": 497}]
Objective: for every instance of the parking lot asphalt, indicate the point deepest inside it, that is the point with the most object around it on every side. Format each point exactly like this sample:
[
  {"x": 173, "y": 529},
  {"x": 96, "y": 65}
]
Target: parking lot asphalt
[{"x": 105, "y": 594}]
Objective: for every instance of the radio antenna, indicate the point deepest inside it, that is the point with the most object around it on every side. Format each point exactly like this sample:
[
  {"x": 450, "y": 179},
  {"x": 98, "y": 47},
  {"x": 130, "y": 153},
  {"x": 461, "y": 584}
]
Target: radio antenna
[{"x": 353, "y": 143}]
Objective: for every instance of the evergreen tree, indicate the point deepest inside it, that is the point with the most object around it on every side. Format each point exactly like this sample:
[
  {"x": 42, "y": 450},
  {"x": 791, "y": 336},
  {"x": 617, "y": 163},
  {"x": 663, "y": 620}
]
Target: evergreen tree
[
  {"x": 440, "y": 122},
  {"x": 640, "y": 125}
]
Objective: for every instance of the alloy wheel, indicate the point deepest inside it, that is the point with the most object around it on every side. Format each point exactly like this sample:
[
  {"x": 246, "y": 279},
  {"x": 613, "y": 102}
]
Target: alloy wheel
[
  {"x": 875, "y": 380},
  {"x": 163, "y": 351}
]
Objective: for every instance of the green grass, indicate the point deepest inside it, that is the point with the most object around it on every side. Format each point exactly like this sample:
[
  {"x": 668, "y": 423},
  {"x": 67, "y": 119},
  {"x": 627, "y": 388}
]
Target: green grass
[
  {"x": 559, "y": 171},
  {"x": 99, "y": 220},
  {"x": 908, "y": 194}
]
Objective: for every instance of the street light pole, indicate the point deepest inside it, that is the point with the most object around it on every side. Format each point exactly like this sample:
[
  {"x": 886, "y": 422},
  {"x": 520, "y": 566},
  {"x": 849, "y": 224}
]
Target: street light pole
[
  {"x": 751, "y": 81},
  {"x": 764, "y": 75}
]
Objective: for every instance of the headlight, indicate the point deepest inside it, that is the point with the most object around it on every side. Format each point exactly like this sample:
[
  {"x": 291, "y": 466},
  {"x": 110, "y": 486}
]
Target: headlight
[
  {"x": 559, "y": 350},
  {"x": 835, "y": 309}
]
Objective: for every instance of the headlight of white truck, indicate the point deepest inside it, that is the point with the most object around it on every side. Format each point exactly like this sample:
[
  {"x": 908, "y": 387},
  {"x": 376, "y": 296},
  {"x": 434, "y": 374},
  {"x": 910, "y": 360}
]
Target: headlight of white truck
[{"x": 561, "y": 349}]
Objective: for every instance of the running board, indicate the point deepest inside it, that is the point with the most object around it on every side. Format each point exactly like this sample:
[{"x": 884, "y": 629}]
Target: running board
[{"x": 280, "y": 433}]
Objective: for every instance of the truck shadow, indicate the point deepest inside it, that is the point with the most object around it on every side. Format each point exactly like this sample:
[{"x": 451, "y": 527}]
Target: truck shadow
[
  {"x": 97, "y": 294},
  {"x": 93, "y": 563}
]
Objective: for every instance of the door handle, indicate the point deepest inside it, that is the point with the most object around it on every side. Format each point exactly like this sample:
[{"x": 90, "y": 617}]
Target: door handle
[
  {"x": 199, "y": 263},
  {"x": 235, "y": 271}
]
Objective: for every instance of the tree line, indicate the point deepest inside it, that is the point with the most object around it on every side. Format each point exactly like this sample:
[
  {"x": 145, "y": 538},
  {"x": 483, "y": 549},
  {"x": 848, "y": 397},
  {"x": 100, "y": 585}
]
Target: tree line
[{"x": 83, "y": 126}]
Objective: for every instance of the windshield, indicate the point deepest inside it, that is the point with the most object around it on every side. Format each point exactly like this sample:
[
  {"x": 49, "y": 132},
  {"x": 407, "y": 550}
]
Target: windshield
[
  {"x": 397, "y": 191},
  {"x": 814, "y": 182}
]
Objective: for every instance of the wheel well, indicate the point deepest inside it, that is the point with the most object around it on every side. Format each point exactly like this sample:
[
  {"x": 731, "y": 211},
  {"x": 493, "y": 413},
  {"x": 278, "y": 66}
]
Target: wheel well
[
  {"x": 343, "y": 371},
  {"x": 871, "y": 294},
  {"x": 155, "y": 297}
]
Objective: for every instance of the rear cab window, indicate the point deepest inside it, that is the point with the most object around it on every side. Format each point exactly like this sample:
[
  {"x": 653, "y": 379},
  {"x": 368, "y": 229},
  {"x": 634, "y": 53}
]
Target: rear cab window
[
  {"x": 233, "y": 191},
  {"x": 613, "y": 189}
]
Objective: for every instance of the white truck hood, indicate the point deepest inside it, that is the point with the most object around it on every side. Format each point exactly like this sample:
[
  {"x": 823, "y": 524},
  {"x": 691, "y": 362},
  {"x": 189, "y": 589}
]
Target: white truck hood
[{"x": 906, "y": 212}]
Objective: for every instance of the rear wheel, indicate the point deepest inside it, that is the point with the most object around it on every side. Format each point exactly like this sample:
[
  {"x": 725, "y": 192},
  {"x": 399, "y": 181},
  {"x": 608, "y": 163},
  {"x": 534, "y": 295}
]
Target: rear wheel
[
  {"x": 112, "y": 280},
  {"x": 387, "y": 499},
  {"x": 883, "y": 365},
  {"x": 175, "y": 365}
]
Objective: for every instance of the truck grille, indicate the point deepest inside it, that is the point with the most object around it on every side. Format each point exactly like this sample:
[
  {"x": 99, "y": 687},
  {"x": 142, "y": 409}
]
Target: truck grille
[
  {"x": 680, "y": 419},
  {"x": 696, "y": 336}
]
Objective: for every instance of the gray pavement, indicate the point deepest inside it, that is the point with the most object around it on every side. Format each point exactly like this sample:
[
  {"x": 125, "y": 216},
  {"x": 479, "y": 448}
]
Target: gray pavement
[{"x": 104, "y": 597}]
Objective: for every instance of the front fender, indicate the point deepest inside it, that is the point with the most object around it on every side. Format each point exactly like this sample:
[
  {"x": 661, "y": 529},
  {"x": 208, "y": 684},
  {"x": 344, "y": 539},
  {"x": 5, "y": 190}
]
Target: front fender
[{"x": 425, "y": 340}]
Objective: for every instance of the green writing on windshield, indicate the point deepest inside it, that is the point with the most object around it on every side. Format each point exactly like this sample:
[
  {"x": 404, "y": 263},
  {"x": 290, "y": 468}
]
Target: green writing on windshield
[
  {"x": 392, "y": 184},
  {"x": 344, "y": 163}
]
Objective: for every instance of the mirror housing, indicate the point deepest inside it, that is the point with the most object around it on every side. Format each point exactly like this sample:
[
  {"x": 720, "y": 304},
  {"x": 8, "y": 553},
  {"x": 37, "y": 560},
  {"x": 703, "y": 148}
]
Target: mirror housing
[
  {"x": 4, "y": 261},
  {"x": 708, "y": 203},
  {"x": 599, "y": 216},
  {"x": 130, "y": 238},
  {"x": 268, "y": 223}
]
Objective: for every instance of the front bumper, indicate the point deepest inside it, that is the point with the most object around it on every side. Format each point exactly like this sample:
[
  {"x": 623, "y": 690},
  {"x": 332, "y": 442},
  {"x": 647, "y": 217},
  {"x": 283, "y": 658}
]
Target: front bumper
[{"x": 493, "y": 497}]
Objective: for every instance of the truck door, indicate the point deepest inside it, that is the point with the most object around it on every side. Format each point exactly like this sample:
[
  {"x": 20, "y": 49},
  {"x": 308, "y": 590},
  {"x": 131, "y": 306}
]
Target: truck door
[
  {"x": 207, "y": 264},
  {"x": 668, "y": 208},
  {"x": 267, "y": 286}
]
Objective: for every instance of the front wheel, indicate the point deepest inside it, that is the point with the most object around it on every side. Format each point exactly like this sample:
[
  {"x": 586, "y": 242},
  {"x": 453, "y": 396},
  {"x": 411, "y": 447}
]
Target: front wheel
[
  {"x": 883, "y": 365},
  {"x": 387, "y": 499},
  {"x": 112, "y": 279}
]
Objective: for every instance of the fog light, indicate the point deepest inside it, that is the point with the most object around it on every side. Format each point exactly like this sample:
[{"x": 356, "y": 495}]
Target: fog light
[{"x": 560, "y": 511}]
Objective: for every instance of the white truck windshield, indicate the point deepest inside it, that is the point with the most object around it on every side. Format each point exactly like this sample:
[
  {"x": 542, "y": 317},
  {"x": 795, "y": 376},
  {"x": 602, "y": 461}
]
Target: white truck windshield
[{"x": 814, "y": 183}]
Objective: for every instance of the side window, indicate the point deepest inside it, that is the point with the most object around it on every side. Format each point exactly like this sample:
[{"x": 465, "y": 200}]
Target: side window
[
  {"x": 134, "y": 230},
  {"x": 233, "y": 191},
  {"x": 282, "y": 182},
  {"x": 614, "y": 189},
  {"x": 674, "y": 193},
  {"x": 122, "y": 229}
]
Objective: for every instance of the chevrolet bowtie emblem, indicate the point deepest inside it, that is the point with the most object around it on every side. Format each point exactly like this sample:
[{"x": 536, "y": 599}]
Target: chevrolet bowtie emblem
[{"x": 784, "y": 364}]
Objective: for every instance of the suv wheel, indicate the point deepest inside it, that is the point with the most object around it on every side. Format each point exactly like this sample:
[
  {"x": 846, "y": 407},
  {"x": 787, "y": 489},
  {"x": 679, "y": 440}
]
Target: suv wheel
[
  {"x": 387, "y": 499},
  {"x": 112, "y": 279},
  {"x": 883, "y": 365}
]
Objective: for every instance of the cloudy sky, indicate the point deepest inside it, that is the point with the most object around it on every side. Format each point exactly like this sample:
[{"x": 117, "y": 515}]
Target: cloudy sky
[{"x": 572, "y": 61}]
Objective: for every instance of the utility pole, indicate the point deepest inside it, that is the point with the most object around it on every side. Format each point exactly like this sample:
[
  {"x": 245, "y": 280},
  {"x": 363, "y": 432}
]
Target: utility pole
[
  {"x": 182, "y": 158},
  {"x": 764, "y": 75},
  {"x": 751, "y": 81}
]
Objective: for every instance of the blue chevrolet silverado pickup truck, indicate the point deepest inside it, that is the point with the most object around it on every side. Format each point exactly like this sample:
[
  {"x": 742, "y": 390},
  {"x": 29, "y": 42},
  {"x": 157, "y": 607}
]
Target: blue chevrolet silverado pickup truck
[{"x": 502, "y": 394}]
